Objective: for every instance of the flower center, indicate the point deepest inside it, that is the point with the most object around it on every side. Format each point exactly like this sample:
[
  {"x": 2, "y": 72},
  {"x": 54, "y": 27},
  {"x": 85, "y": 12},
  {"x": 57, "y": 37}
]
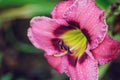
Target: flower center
[{"x": 72, "y": 42}]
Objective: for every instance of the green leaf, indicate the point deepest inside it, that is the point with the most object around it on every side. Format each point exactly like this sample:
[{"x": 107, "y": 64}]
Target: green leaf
[
  {"x": 59, "y": 77},
  {"x": 27, "y": 8},
  {"x": 1, "y": 57},
  {"x": 9, "y": 3},
  {"x": 20, "y": 46},
  {"x": 27, "y": 48},
  {"x": 104, "y": 4},
  {"x": 102, "y": 70},
  {"x": 7, "y": 77},
  {"x": 21, "y": 78},
  {"x": 114, "y": 1},
  {"x": 117, "y": 37}
]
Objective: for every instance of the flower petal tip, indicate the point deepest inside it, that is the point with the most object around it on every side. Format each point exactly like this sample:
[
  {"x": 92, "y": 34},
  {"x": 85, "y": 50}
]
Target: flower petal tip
[
  {"x": 60, "y": 8},
  {"x": 108, "y": 50}
]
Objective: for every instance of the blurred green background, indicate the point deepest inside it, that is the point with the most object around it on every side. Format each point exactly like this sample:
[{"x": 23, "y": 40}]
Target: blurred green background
[{"x": 19, "y": 60}]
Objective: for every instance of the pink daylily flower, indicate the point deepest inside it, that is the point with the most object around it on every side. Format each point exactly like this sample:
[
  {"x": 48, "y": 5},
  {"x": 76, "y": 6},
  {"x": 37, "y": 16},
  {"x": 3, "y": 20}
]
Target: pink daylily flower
[{"x": 75, "y": 39}]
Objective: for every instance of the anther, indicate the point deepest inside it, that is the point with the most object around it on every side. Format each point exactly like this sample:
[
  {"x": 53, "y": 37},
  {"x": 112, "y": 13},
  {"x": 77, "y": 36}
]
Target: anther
[
  {"x": 60, "y": 44},
  {"x": 64, "y": 49},
  {"x": 67, "y": 49},
  {"x": 69, "y": 52}
]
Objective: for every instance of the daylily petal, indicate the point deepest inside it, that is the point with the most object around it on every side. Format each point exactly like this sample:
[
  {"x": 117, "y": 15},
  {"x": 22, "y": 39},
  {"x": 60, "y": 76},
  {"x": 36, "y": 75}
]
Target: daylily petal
[
  {"x": 70, "y": 67},
  {"x": 55, "y": 62},
  {"x": 108, "y": 50},
  {"x": 60, "y": 8},
  {"x": 90, "y": 19},
  {"x": 85, "y": 69},
  {"x": 41, "y": 32}
]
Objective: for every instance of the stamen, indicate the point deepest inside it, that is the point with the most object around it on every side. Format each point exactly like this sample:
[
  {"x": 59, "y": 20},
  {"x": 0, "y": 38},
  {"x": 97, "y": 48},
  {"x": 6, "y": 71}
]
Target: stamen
[
  {"x": 76, "y": 41},
  {"x": 60, "y": 54},
  {"x": 67, "y": 49},
  {"x": 69, "y": 52},
  {"x": 64, "y": 49},
  {"x": 60, "y": 44}
]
